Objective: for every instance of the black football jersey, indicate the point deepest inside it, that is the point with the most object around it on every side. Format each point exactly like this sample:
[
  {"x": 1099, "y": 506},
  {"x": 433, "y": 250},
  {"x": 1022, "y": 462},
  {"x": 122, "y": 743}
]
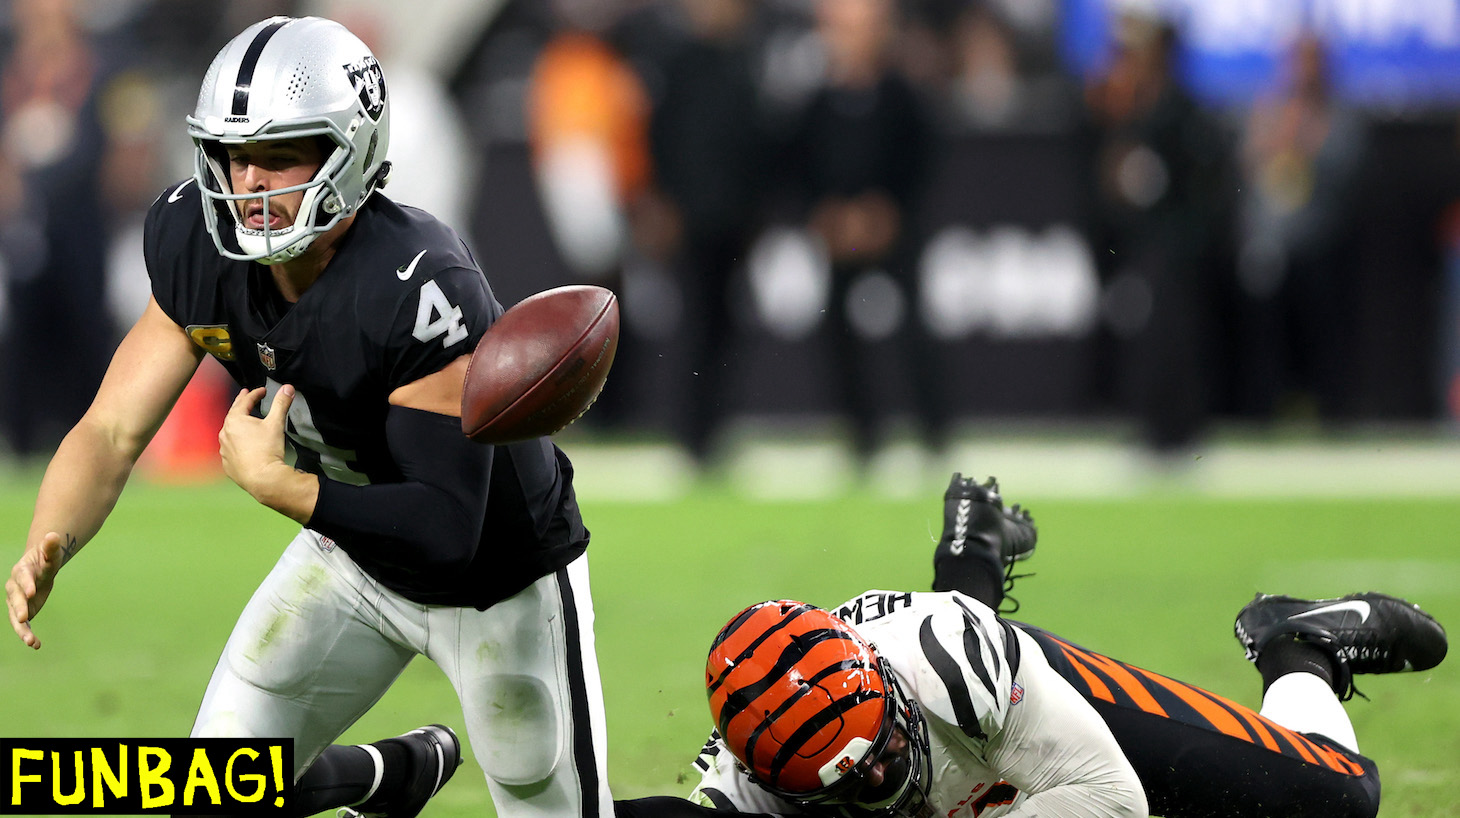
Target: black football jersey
[{"x": 401, "y": 299}]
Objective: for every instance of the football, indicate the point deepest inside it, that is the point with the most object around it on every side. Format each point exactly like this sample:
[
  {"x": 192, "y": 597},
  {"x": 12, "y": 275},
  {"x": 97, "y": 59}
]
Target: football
[{"x": 541, "y": 365}]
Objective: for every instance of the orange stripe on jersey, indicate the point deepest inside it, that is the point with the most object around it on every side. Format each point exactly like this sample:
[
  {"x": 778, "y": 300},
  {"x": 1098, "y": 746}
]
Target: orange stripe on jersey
[
  {"x": 1219, "y": 717},
  {"x": 1259, "y": 726},
  {"x": 1328, "y": 757},
  {"x": 1223, "y": 715},
  {"x": 1128, "y": 683},
  {"x": 1219, "y": 714},
  {"x": 1097, "y": 687},
  {"x": 1117, "y": 673}
]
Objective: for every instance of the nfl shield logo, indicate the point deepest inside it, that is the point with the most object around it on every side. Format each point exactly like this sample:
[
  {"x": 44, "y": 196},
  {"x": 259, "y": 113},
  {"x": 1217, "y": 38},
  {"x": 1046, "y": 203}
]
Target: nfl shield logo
[{"x": 266, "y": 356}]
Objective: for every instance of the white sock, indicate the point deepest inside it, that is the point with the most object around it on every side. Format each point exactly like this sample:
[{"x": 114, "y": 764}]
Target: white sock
[{"x": 1304, "y": 703}]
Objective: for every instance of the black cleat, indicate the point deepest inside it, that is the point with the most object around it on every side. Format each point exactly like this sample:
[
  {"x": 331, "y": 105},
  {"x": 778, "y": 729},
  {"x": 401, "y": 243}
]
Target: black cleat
[
  {"x": 974, "y": 517},
  {"x": 1364, "y": 633},
  {"x": 435, "y": 754},
  {"x": 981, "y": 536}
]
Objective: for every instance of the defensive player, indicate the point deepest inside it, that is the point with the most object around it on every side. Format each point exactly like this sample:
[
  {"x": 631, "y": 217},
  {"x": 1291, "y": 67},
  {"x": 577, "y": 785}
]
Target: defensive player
[
  {"x": 923, "y": 704},
  {"x": 347, "y": 320}
]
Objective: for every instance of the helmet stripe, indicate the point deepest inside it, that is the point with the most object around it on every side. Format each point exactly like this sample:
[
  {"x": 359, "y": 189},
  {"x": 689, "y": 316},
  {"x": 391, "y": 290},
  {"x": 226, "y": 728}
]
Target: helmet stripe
[
  {"x": 730, "y": 629},
  {"x": 792, "y": 653},
  {"x": 772, "y": 718},
  {"x": 813, "y": 725},
  {"x": 250, "y": 62}
]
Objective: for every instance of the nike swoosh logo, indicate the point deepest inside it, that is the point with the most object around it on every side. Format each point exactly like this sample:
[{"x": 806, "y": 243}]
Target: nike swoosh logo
[
  {"x": 404, "y": 273},
  {"x": 1356, "y": 605},
  {"x": 177, "y": 194}
]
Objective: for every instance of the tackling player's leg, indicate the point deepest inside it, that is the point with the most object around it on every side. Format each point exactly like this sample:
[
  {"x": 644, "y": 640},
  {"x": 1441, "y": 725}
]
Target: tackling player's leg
[
  {"x": 392, "y": 778},
  {"x": 981, "y": 541}
]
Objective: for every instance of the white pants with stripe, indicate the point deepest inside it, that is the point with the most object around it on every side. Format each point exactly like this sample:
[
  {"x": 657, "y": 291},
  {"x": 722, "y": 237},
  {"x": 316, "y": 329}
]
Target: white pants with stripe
[{"x": 321, "y": 641}]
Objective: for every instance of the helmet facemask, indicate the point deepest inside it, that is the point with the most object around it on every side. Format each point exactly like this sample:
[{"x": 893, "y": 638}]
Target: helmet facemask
[{"x": 319, "y": 210}]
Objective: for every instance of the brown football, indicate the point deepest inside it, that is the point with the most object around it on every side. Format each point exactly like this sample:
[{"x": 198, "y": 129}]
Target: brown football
[{"x": 541, "y": 365}]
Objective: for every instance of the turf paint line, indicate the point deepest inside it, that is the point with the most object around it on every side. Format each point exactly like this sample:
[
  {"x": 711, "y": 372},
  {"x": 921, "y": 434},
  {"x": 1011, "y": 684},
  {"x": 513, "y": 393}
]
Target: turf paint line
[{"x": 811, "y": 469}]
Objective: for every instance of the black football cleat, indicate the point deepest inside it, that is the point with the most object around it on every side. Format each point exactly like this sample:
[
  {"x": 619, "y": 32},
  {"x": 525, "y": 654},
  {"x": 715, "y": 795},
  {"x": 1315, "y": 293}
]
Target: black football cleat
[
  {"x": 1364, "y": 633},
  {"x": 435, "y": 753},
  {"x": 981, "y": 540},
  {"x": 974, "y": 517}
]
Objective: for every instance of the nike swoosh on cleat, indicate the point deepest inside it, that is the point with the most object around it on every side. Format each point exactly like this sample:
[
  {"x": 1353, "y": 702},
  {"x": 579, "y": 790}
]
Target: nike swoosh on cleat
[
  {"x": 404, "y": 272},
  {"x": 1357, "y": 605},
  {"x": 177, "y": 193}
]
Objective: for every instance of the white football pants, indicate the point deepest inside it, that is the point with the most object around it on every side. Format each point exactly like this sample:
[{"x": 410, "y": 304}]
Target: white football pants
[{"x": 321, "y": 641}]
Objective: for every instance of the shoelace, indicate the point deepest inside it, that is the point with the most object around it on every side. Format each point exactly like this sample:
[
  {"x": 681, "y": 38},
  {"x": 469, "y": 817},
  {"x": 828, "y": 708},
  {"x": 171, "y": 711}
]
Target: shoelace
[{"x": 1009, "y": 577}]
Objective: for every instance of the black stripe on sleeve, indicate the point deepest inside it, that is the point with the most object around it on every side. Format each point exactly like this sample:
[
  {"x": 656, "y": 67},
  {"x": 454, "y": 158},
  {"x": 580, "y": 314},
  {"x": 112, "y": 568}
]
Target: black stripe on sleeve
[
  {"x": 947, "y": 670},
  {"x": 972, "y": 630},
  {"x": 250, "y": 62},
  {"x": 719, "y": 799},
  {"x": 1011, "y": 649}
]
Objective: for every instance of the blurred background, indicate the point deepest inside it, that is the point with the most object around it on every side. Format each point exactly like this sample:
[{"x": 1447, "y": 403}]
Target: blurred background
[{"x": 888, "y": 228}]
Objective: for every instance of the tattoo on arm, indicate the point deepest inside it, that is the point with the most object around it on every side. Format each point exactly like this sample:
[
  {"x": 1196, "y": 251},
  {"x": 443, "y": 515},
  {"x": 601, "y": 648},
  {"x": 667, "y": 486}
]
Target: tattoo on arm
[{"x": 70, "y": 548}]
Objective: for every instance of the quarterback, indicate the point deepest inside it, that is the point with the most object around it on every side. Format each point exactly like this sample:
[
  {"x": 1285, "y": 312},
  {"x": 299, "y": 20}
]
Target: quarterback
[
  {"x": 922, "y": 704},
  {"x": 347, "y": 321}
]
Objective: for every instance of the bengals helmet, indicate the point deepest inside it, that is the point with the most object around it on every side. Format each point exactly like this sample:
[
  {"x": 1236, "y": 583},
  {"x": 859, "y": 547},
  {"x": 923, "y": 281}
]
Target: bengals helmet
[
  {"x": 289, "y": 78},
  {"x": 815, "y": 716}
]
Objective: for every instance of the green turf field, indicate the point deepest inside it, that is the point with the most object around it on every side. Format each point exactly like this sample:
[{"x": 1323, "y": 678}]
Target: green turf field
[{"x": 136, "y": 623}]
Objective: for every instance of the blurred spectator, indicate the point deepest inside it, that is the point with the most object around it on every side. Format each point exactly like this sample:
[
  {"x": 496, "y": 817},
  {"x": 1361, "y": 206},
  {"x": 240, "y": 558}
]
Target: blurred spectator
[
  {"x": 1160, "y": 224},
  {"x": 858, "y": 155},
  {"x": 588, "y": 133},
  {"x": 587, "y": 120},
  {"x": 1302, "y": 156},
  {"x": 709, "y": 152},
  {"x": 991, "y": 89},
  {"x": 53, "y": 224}
]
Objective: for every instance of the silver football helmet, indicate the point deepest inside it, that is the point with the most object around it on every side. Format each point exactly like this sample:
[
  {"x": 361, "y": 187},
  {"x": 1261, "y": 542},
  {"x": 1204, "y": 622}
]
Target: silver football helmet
[{"x": 286, "y": 78}]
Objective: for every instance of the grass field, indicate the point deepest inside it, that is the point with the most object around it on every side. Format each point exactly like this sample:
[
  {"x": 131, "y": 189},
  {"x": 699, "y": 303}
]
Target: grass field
[{"x": 136, "y": 623}]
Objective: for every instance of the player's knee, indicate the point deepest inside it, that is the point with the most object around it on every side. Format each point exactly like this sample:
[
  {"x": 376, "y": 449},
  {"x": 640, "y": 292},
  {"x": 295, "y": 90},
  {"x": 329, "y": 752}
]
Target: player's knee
[{"x": 522, "y": 740}]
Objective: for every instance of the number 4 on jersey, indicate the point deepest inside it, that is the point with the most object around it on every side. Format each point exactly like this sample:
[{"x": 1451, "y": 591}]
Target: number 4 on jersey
[{"x": 435, "y": 316}]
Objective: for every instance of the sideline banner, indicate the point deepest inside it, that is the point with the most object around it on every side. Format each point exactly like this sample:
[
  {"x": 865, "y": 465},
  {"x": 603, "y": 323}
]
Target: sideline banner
[{"x": 1389, "y": 54}]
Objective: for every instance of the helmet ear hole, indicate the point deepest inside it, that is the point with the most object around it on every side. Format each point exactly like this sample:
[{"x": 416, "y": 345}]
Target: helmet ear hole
[{"x": 382, "y": 176}]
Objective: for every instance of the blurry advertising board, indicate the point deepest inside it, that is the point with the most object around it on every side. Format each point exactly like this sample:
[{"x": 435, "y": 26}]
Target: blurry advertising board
[{"x": 1392, "y": 54}]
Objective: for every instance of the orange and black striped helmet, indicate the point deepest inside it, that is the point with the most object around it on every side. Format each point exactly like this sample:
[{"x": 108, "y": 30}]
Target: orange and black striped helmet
[{"x": 808, "y": 708}]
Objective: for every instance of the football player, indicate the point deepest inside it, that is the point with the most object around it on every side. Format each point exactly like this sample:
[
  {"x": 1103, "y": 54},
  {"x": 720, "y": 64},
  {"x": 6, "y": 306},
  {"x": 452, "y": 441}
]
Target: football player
[
  {"x": 912, "y": 705},
  {"x": 347, "y": 320}
]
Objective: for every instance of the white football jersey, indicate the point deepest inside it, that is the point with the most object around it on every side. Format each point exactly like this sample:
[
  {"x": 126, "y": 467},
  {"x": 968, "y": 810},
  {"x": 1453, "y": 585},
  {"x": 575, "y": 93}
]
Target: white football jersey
[{"x": 1005, "y": 729}]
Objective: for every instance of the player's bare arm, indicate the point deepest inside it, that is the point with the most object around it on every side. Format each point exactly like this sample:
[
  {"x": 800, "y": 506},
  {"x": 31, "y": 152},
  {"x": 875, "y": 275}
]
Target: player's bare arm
[
  {"x": 439, "y": 392},
  {"x": 147, "y": 374}
]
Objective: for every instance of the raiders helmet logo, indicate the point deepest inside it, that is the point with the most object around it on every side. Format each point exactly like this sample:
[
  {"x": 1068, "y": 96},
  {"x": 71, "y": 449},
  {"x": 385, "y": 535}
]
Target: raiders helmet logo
[{"x": 369, "y": 82}]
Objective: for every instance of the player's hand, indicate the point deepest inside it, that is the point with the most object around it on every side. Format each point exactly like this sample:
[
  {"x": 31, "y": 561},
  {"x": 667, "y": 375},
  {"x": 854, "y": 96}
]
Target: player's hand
[
  {"x": 30, "y": 584},
  {"x": 252, "y": 449}
]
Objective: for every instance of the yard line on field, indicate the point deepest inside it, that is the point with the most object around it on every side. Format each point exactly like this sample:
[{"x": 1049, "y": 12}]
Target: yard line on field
[{"x": 781, "y": 469}]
